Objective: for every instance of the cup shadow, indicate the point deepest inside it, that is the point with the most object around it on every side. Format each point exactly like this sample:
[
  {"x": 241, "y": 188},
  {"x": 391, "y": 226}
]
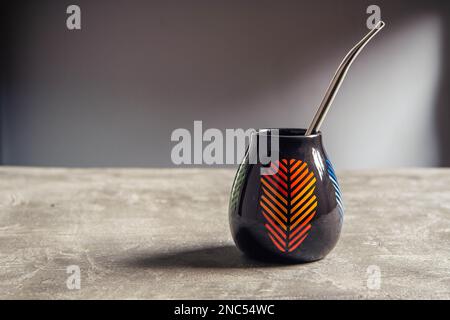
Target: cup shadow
[{"x": 221, "y": 256}]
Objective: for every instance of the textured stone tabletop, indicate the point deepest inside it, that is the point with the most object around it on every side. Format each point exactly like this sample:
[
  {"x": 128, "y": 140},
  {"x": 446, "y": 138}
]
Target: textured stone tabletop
[{"x": 149, "y": 233}]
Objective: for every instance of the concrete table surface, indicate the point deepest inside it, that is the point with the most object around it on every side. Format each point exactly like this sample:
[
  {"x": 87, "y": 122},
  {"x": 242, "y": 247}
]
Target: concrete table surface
[{"x": 163, "y": 233}]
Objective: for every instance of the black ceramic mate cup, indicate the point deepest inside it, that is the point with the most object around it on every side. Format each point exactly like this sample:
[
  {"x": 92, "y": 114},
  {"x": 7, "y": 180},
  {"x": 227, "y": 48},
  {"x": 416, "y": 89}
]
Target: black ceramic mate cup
[{"x": 288, "y": 209}]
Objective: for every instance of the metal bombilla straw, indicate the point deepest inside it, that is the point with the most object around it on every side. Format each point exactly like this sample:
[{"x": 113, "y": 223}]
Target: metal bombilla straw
[{"x": 339, "y": 76}]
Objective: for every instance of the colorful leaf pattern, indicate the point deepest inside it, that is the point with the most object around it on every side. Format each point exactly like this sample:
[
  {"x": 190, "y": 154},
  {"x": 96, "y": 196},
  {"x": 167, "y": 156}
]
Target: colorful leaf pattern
[
  {"x": 238, "y": 184},
  {"x": 288, "y": 203},
  {"x": 337, "y": 190}
]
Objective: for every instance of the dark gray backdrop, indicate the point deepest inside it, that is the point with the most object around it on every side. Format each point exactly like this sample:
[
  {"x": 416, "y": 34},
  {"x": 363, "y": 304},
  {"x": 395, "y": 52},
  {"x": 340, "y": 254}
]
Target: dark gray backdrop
[{"x": 111, "y": 94}]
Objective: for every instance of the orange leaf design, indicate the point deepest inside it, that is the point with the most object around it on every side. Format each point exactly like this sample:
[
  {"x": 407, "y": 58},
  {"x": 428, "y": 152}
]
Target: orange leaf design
[{"x": 288, "y": 203}]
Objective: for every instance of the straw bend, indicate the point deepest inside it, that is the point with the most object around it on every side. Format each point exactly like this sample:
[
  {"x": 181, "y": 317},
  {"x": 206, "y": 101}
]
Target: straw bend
[{"x": 339, "y": 77}]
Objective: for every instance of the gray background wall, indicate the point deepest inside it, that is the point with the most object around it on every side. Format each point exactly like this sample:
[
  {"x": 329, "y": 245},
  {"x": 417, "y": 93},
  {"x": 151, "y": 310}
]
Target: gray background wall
[{"x": 111, "y": 94}]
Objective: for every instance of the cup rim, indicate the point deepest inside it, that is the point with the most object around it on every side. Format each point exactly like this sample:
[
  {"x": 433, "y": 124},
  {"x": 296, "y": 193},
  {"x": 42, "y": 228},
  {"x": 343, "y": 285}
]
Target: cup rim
[{"x": 289, "y": 133}]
